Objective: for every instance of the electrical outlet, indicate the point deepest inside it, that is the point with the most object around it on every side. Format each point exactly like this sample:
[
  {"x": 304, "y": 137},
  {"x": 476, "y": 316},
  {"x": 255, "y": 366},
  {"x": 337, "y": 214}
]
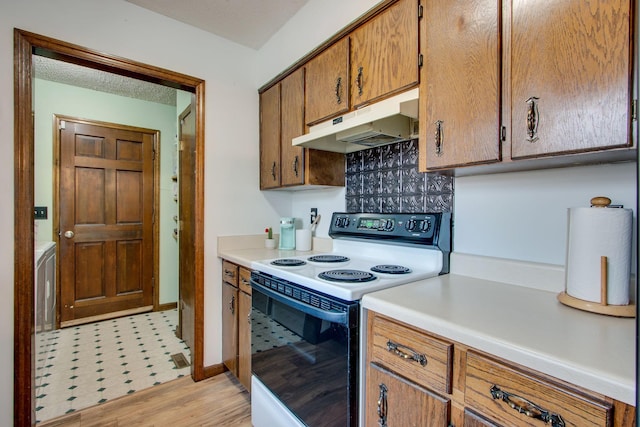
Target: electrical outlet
[
  {"x": 314, "y": 214},
  {"x": 40, "y": 212}
]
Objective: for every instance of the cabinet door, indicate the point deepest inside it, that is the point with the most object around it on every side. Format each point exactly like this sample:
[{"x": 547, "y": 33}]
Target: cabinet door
[
  {"x": 270, "y": 138},
  {"x": 292, "y": 125},
  {"x": 230, "y": 327},
  {"x": 384, "y": 53},
  {"x": 393, "y": 401},
  {"x": 460, "y": 84},
  {"x": 244, "y": 339},
  {"x": 570, "y": 76},
  {"x": 327, "y": 83}
]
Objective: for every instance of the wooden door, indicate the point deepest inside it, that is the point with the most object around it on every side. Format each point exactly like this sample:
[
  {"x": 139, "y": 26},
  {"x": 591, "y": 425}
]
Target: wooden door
[
  {"x": 244, "y": 339},
  {"x": 384, "y": 53},
  {"x": 327, "y": 83},
  {"x": 460, "y": 85},
  {"x": 186, "y": 224},
  {"x": 106, "y": 213},
  {"x": 230, "y": 327},
  {"x": 402, "y": 403},
  {"x": 570, "y": 76},
  {"x": 270, "y": 138},
  {"x": 292, "y": 164}
]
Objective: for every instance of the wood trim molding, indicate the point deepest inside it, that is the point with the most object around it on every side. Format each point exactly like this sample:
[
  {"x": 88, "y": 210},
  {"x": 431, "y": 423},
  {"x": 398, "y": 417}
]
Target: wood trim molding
[
  {"x": 213, "y": 370},
  {"x": 27, "y": 44}
]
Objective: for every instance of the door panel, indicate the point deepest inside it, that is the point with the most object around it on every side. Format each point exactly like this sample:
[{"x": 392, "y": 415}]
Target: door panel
[
  {"x": 186, "y": 214},
  {"x": 106, "y": 220}
]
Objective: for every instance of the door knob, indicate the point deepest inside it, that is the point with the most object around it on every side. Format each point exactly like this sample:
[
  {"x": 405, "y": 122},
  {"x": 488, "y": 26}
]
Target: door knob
[{"x": 68, "y": 234}]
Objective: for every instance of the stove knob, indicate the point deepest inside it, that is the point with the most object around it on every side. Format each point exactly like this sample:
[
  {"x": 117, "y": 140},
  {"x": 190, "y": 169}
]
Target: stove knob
[
  {"x": 388, "y": 226},
  {"x": 425, "y": 226},
  {"x": 411, "y": 225}
]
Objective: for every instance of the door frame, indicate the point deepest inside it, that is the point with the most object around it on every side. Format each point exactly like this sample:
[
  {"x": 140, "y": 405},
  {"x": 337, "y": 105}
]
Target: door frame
[
  {"x": 57, "y": 145},
  {"x": 26, "y": 45}
]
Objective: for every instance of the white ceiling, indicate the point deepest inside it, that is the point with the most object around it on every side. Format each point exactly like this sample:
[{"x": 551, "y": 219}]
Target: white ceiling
[{"x": 248, "y": 22}]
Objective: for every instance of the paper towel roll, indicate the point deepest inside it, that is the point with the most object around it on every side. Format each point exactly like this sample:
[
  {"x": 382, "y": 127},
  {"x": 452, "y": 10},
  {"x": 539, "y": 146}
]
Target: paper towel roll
[{"x": 591, "y": 234}]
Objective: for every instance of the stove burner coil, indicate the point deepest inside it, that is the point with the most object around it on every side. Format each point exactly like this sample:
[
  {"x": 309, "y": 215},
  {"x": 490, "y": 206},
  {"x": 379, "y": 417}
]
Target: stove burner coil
[
  {"x": 328, "y": 258},
  {"x": 391, "y": 269},
  {"x": 288, "y": 262},
  {"x": 347, "y": 276}
]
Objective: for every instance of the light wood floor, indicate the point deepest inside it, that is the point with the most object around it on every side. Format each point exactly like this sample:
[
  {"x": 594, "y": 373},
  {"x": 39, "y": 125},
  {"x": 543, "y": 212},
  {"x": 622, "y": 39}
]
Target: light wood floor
[{"x": 217, "y": 401}]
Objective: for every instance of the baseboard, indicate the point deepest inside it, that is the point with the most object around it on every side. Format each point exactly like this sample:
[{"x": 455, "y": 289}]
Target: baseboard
[
  {"x": 213, "y": 370},
  {"x": 167, "y": 306}
]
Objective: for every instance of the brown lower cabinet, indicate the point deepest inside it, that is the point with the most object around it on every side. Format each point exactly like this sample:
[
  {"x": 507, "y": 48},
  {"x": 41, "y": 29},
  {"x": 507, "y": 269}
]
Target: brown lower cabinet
[
  {"x": 415, "y": 378},
  {"x": 236, "y": 321}
]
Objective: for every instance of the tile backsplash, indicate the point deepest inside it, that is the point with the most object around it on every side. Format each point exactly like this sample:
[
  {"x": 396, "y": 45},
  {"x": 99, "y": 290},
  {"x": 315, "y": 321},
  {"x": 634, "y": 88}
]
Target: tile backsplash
[{"x": 386, "y": 179}]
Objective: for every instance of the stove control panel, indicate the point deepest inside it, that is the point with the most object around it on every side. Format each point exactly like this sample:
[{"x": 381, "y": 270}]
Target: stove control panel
[{"x": 415, "y": 228}]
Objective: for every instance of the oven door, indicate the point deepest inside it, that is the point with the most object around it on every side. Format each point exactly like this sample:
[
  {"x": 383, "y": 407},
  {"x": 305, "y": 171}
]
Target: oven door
[{"x": 306, "y": 356}]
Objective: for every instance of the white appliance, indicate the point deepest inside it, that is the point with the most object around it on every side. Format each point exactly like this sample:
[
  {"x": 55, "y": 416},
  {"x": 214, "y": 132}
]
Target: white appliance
[
  {"x": 390, "y": 120},
  {"x": 45, "y": 286},
  {"x": 306, "y": 314}
]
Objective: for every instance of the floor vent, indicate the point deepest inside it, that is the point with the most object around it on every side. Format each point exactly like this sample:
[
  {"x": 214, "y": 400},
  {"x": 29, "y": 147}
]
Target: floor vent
[{"x": 179, "y": 360}]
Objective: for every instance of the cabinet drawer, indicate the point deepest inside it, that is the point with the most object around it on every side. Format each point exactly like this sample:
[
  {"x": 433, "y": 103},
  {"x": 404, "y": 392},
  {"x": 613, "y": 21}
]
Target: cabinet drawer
[
  {"x": 230, "y": 273},
  {"x": 244, "y": 283},
  {"x": 517, "y": 397},
  {"x": 411, "y": 353}
]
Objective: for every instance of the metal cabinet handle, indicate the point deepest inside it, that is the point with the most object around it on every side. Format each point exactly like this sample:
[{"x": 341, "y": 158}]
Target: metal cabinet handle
[
  {"x": 232, "y": 305},
  {"x": 338, "y": 90},
  {"x": 249, "y": 318},
  {"x": 295, "y": 165},
  {"x": 532, "y": 119},
  {"x": 439, "y": 137},
  {"x": 408, "y": 353},
  {"x": 229, "y": 273},
  {"x": 359, "y": 82},
  {"x": 382, "y": 406},
  {"x": 524, "y": 406},
  {"x": 273, "y": 171}
]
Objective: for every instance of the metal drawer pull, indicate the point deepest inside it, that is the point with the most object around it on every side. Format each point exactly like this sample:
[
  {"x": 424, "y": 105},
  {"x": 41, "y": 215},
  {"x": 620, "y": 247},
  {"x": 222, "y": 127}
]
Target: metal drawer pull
[
  {"x": 439, "y": 137},
  {"x": 382, "y": 406},
  {"x": 395, "y": 348},
  {"x": 532, "y": 119},
  {"x": 359, "y": 82},
  {"x": 232, "y": 305},
  {"x": 527, "y": 407},
  {"x": 295, "y": 166}
]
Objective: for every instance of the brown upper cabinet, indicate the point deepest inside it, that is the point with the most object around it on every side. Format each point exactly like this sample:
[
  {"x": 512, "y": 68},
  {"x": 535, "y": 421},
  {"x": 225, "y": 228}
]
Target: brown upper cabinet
[
  {"x": 570, "y": 76},
  {"x": 327, "y": 83},
  {"x": 282, "y": 119},
  {"x": 460, "y": 86},
  {"x": 561, "y": 83},
  {"x": 385, "y": 53}
]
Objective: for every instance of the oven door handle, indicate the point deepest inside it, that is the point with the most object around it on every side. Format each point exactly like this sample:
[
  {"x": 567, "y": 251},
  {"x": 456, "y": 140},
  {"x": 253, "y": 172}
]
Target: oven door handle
[{"x": 330, "y": 316}]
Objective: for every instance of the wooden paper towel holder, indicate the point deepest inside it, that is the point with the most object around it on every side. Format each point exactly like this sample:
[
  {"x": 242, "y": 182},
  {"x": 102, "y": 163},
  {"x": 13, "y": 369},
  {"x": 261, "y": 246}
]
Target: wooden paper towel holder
[{"x": 602, "y": 307}]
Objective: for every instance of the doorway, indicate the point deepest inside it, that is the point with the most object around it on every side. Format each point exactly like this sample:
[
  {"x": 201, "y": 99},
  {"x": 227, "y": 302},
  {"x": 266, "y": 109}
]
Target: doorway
[{"x": 26, "y": 45}]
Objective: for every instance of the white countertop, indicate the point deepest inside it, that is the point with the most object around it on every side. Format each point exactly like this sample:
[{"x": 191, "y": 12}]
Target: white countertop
[
  {"x": 524, "y": 325},
  {"x": 505, "y": 308}
]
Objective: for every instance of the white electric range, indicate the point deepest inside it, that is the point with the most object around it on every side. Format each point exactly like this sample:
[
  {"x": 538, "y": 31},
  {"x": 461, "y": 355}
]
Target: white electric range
[{"x": 306, "y": 318}]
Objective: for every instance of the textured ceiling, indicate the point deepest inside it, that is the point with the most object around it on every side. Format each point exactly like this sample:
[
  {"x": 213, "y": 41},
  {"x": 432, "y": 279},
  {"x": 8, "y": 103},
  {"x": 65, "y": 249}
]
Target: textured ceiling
[
  {"x": 247, "y": 22},
  {"x": 88, "y": 78}
]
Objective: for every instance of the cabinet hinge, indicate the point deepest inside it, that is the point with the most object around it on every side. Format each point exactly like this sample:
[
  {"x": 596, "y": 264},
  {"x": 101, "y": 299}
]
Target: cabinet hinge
[
  {"x": 634, "y": 110},
  {"x": 181, "y": 146},
  {"x": 62, "y": 125},
  {"x": 420, "y": 11},
  {"x": 503, "y": 133},
  {"x": 420, "y": 60}
]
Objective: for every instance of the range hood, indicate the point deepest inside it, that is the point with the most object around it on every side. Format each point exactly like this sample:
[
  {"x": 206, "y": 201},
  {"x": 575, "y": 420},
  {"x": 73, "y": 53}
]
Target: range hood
[{"x": 390, "y": 120}]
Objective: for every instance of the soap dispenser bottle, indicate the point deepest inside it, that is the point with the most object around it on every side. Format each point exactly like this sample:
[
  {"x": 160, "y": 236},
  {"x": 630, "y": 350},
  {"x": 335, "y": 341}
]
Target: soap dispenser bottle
[{"x": 287, "y": 233}]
